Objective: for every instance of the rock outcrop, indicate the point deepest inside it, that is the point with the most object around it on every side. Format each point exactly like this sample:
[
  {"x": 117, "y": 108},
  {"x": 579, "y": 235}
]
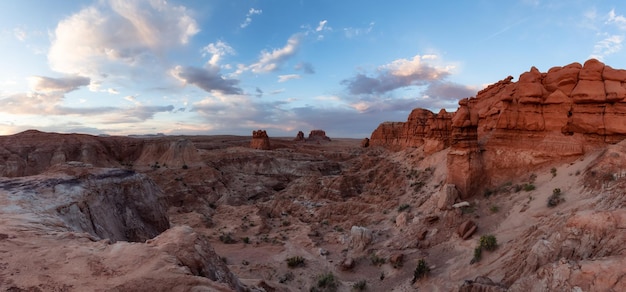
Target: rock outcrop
[
  {"x": 511, "y": 128},
  {"x": 114, "y": 204},
  {"x": 300, "y": 137},
  {"x": 423, "y": 128},
  {"x": 260, "y": 140}
]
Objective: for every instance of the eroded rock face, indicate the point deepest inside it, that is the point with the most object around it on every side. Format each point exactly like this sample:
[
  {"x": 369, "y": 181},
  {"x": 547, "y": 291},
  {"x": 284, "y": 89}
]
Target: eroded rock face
[
  {"x": 511, "y": 128},
  {"x": 112, "y": 204},
  {"x": 260, "y": 140},
  {"x": 33, "y": 152},
  {"x": 423, "y": 128}
]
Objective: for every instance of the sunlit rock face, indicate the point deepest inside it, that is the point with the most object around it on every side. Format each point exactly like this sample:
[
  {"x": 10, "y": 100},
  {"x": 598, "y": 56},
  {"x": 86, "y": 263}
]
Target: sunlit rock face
[{"x": 511, "y": 128}]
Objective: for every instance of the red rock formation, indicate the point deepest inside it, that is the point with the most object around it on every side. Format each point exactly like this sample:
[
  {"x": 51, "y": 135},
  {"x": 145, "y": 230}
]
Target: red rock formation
[
  {"x": 511, "y": 128},
  {"x": 423, "y": 128},
  {"x": 299, "y": 137},
  {"x": 318, "y": 135},
  {"x": 365, "y": 142},
  {"x": 260, "y": 140}
]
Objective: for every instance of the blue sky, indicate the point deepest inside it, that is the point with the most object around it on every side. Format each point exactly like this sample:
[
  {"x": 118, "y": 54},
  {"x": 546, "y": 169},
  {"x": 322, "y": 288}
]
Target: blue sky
[{"x": 229, "y": 67}]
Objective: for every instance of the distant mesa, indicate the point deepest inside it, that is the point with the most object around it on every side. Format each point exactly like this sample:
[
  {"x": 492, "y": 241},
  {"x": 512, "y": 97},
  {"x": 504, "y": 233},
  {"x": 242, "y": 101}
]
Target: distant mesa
[
  {"x": 314, "y": 136},
  {"x": 260, "y": 140},
  {"x": 318, "y": 136}
]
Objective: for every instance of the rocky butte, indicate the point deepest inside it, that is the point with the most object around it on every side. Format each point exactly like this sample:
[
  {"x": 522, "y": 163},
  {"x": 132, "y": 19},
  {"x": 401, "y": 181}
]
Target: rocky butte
[{"x": 520, "y": 189}]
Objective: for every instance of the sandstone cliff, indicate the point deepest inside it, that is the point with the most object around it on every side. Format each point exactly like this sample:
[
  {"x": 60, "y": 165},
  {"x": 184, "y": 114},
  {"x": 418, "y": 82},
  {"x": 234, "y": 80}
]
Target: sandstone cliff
[
  {"x": 423, "y": 128},
  {"x": 511, "y": 128}
]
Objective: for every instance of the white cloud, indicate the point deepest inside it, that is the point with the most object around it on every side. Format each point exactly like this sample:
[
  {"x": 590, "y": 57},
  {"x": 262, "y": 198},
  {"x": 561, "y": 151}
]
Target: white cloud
[
  {"x": 217, "y": 51},
  {"x": 609, "y": 45},
  {"x": 249, "y": 15},
  {"x": 320, "y": 27},
  {"x": 283, "y": 78},
  {"x": 618, "y": 20},
  {"x": 271, "y": 61},
  {"x": 118, "y": 32}
]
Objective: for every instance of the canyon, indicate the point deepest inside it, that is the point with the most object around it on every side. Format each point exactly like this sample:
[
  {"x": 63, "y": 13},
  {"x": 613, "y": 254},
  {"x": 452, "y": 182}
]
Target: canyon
[{"x": 537, "y": 165}]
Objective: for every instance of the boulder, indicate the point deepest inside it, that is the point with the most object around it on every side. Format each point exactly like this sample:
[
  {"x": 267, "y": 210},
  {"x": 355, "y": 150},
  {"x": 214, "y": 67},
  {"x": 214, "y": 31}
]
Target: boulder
[
  {"x": 347, "y": 264},
  {"x": 447, "y": 197},
  {"x": 401, "y": 219},
  {"x": 466, "y": 229},
  {"x": 360, "y": 237}
]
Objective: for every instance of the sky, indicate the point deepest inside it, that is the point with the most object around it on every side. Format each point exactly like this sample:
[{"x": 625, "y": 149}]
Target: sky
[{"x": 215, "y": 67}]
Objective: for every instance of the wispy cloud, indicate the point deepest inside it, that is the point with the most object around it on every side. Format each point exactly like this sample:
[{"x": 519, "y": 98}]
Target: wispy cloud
[
  {"x": 272, "y": 61},
  {"x": 249, "y": 15},
  {"x": 322, "y": 26},
  {"x": 609, "y": 45},
  {"x": 306, "y": 67},
  {"x": 351, "y": 32},
  {"x": 284, "y": 78}
]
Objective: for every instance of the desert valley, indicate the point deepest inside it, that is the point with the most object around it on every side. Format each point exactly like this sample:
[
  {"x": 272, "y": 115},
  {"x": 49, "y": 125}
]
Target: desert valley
[{"x": 520, "y": 189}]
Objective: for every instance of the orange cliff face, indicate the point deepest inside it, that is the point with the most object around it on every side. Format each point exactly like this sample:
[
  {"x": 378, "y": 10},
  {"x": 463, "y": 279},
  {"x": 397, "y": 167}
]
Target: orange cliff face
[
  {"x": 512, "y": 128},
  {"x": 423, "y": 128}
]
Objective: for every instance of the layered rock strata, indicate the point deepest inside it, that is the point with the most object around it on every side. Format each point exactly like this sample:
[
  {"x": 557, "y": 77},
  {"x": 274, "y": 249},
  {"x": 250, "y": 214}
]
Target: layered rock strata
[
  {"x": 423, "y": 128},
  {"x": 511, "y": 128}
]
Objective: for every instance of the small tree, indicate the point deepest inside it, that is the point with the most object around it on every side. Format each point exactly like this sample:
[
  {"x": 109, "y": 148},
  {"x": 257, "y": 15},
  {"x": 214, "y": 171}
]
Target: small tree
[{"x": 420, "y": 271}]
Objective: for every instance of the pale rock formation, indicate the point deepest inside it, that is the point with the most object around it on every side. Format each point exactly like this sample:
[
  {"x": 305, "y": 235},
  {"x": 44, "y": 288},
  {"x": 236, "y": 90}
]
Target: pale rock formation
[
  {"x": 447, "y": 197},
  {"x": 360, "y": 237}
]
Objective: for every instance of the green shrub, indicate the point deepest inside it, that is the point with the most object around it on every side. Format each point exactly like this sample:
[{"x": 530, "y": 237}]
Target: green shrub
[
  {"x": 376, "y": 260},
  {"x": 529, "y": 187},
  {"x": 494, "y": 209},
  {"x": 488, "y": 242},
  {"x": 296, "y": 261},
  {"x": 246, "y": 240},
  {"x": 403, "y": 207},
  {"x": 478, "y": 252},
  {"x": 327, "y": 282},
  {"x": 227, "y": 238},
  {"x": 553, "y": 171},
  {"x": 420, "y": 271},
  {"x": 359, "y": 286},
  {"x": 185, "y": 166},
  {"x": 488, "y": 192}
]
